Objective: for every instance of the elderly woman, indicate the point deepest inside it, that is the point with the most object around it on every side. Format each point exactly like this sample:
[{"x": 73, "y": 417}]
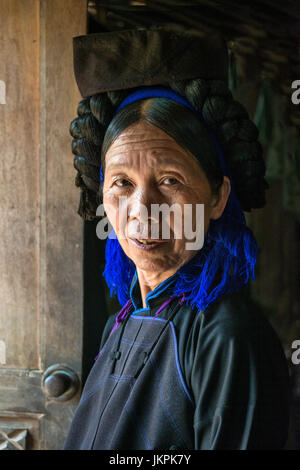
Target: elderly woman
[{"x": 188, "y": 362}]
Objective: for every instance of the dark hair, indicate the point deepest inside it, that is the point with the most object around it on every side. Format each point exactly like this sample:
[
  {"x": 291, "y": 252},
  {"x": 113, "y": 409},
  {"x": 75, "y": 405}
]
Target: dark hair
[{"x": 96, "y": 128}]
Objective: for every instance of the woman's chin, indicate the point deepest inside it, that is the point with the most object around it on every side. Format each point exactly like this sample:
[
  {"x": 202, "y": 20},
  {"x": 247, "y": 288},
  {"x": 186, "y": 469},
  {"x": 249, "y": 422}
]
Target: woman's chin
[
  {"x": 154, "y": 262},
  {"x": 147, "y": 263}
]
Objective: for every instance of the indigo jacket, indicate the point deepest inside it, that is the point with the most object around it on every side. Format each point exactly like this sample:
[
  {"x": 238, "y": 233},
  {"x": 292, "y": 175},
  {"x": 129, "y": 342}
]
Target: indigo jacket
[{"x": 216, "y": 379}]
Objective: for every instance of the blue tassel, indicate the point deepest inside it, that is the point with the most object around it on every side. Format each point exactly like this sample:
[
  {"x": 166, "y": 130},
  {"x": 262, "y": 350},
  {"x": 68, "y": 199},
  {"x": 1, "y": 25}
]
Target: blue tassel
[
  {"x": 101, "y": 177},
  {"x": 119, "y": 269}
]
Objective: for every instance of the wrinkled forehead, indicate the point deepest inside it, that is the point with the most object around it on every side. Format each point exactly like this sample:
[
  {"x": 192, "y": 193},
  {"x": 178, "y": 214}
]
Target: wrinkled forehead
[{"x": 147, "y": 139}]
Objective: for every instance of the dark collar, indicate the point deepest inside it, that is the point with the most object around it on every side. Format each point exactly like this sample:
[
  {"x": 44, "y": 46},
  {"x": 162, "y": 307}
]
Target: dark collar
[{"x": 155, "y": 298}]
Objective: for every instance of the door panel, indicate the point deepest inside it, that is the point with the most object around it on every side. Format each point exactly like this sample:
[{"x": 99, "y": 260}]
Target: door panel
[{"x": 41, "y": 233}]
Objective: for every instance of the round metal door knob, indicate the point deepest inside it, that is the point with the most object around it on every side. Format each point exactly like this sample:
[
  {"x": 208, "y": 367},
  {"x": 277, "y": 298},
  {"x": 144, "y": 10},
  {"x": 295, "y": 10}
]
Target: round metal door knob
[{"x": 60, "y": 382}]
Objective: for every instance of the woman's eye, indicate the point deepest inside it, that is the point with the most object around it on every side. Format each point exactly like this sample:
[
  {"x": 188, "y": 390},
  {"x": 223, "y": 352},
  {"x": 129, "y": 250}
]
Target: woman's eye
[
  {"x": 172, "y": 181},
  {"x": 121, "y": 182}
]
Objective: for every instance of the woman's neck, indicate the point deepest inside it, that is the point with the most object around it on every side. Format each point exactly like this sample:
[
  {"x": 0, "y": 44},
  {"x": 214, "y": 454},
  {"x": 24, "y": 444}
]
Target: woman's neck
[{"x": 148, "y": 281}]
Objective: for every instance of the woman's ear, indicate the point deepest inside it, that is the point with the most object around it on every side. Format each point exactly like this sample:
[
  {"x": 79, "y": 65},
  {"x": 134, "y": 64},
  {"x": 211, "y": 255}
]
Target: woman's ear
[{"x": 220, "y": 201}]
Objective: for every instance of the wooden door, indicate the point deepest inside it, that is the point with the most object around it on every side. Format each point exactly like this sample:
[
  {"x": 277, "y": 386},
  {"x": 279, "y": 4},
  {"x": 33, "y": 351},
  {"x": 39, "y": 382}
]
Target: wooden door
[{"x": 41, "y": 233}]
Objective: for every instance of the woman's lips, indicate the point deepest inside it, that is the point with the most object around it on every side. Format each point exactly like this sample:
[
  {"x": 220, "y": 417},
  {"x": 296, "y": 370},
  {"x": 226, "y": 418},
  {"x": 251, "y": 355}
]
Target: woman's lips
[{"x": 150, "y": 246}]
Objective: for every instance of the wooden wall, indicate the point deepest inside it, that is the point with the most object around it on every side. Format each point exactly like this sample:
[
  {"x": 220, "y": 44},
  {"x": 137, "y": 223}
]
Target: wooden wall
[{"x": 41, "y": 233}]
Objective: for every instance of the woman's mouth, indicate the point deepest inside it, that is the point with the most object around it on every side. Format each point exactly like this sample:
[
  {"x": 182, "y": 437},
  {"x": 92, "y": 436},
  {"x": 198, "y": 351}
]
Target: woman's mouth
[{"x": 147, "y": 244}]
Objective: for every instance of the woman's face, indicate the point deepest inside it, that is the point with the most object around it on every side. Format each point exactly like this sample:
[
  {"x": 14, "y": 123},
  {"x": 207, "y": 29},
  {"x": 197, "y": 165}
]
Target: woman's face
[{"x": 145, "y": 166}]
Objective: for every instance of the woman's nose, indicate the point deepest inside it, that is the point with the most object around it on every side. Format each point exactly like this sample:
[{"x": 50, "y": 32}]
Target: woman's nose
[{"x": 140, "y": 204}]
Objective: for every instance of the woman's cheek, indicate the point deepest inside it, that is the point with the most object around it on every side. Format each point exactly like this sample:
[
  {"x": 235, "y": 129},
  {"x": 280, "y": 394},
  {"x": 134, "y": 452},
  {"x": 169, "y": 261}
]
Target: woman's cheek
[
  {"x": 195, "y": 217},
  {"x": 111, "y": 207},
  {"x": 116, "y": 210}
]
